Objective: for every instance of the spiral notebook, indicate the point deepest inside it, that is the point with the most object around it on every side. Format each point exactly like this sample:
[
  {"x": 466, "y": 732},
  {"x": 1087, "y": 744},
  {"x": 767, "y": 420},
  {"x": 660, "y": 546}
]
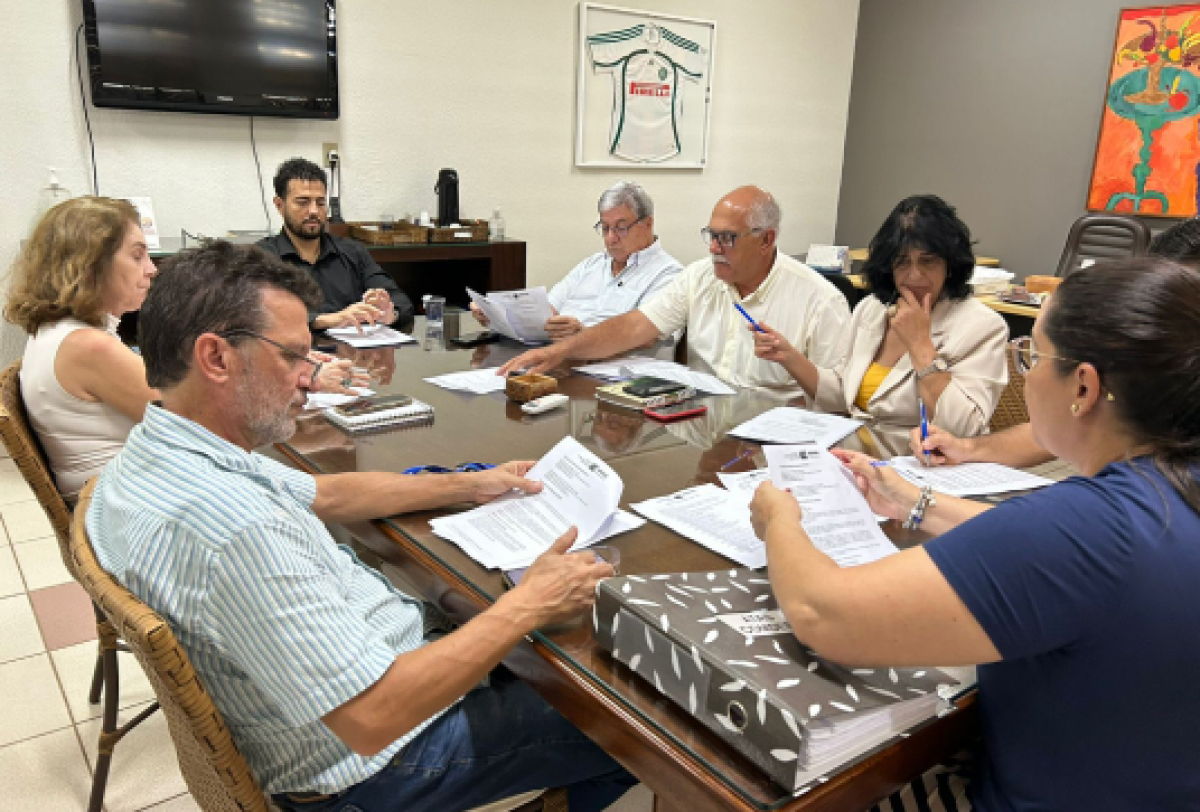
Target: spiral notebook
[{"x": 381, "y": 411}]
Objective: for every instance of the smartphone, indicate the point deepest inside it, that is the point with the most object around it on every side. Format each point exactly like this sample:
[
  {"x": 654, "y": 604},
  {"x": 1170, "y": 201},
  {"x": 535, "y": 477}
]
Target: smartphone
[
  {"x": 374, "y": 404},
  {"x": 512, "y": 577},
  {"x": 675, "y": 411},
  {"x": 649, "y": 387},
  {"x": 475, "y": 339},
  {"x": 325, "y": 346}
]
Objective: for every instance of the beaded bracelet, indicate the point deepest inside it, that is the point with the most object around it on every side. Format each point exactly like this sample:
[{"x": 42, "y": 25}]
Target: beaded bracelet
[{"x": 925, "y": 501}]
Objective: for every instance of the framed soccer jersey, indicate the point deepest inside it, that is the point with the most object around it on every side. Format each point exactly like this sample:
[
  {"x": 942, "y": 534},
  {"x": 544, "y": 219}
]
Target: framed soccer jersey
[{"x": 645, "y": 88}]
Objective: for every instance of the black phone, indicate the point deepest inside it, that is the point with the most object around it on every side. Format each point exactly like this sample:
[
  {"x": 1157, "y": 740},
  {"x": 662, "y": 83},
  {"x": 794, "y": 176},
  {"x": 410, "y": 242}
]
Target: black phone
[
  {"x": 325, "y": 346},
  {"x": 649, "y": 387},
  {"x": 371, "y": 405},
  {"x": 475, "y": 339}
]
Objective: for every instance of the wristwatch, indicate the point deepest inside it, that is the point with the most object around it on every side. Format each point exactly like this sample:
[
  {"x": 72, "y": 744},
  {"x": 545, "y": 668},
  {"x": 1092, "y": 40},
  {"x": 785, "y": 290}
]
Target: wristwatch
[{"x": 938, "y": 365}]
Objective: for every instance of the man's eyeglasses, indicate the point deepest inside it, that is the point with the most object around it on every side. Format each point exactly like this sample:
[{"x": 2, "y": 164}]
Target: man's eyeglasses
[
  {"x": 296, "y": 359},
  {"x": 726, "y": 239},
  {"x": 604, "y": 229}
]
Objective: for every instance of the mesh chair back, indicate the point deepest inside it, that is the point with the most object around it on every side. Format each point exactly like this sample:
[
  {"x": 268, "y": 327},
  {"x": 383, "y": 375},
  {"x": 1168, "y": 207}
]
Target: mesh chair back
[
  {"x": 1101, "y": 237},
  {"x": 216, "y": 773}
]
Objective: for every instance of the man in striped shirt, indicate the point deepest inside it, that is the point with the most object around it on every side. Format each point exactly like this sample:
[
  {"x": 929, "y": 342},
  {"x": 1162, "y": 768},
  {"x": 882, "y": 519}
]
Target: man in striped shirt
[{"x": 320, "y": 668}]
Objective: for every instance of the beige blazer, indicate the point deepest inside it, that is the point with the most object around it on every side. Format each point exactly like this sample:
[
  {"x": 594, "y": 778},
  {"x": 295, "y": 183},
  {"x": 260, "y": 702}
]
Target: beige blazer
[{"x": 967, "y": 334}]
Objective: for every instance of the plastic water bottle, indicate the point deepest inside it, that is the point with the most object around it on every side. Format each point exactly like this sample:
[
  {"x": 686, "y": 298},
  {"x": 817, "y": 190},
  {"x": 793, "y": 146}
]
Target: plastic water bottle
[{"x": 496, "y": 227}]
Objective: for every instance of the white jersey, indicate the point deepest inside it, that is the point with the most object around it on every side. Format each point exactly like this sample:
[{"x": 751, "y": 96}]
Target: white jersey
[{"x": 648, "y": 64}]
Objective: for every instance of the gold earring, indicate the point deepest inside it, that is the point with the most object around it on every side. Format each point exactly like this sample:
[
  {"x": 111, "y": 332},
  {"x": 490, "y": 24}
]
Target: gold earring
[
  {"x": 1075, "y": 409},
  {"x": 1109, "y": 396}
]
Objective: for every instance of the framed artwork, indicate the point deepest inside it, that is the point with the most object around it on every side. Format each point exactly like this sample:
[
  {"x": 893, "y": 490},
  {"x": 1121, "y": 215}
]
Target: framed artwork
[
  {"x": 644, "y": 93},
  {"x": 1148, "y": 152}
]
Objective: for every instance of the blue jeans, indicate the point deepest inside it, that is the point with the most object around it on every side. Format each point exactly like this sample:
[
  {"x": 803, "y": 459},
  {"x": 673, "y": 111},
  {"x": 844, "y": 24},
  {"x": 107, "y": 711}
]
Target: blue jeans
[{"x": 497, "y": 742}]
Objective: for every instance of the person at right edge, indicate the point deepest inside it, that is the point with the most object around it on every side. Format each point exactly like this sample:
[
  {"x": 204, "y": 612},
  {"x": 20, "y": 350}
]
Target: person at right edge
[
  {"x": 1077, "y": 601},
  {"x": 1016, "y": 446}
]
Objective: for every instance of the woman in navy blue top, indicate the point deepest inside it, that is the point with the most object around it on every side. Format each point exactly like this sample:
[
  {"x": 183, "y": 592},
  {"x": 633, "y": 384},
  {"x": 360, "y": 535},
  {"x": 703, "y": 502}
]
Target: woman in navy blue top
[{"x": 1079, "y": 602}]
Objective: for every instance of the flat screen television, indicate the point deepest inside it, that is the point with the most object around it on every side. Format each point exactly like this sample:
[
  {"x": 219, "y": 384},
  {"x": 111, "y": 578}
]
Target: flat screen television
[{"x": 249, "y": 57}]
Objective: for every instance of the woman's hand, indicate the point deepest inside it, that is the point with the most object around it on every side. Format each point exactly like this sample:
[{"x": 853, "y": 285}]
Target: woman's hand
[
  {"x": 770, "y": 504},
  {"x": 888, "y": 493},
  {"x": 770, "y": 345},
  {"x": 911, "y": 320},
  {"x": 338, "y": 376}
]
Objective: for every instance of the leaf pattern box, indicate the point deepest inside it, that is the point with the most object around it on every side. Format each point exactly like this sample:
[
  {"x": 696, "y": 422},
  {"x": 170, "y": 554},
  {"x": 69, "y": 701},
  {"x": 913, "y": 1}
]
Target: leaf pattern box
[{"x": 717, "y": 645}]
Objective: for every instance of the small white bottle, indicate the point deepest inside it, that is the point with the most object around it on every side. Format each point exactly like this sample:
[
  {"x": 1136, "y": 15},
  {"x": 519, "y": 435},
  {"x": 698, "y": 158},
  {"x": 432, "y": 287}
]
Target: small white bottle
[
  {"x": 496, "y": 227},
  {"x": 53, "y": 194}
]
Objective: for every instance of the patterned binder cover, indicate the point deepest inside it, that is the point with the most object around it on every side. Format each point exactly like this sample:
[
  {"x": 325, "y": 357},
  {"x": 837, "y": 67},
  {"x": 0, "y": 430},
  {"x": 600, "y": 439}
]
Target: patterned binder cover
[{"x": 717, "y": 644}]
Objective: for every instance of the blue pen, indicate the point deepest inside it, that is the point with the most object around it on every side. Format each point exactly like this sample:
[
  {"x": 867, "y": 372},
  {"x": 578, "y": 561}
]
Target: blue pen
[
  {"x": 924, "y": 430},
  {"x": 742, "y": 310},
  {"x": 880, "y": 464}
]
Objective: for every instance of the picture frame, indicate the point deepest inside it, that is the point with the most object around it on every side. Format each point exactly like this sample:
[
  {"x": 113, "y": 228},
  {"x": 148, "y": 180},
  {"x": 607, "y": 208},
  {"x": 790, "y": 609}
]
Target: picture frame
[
  {"x": 1147, "y": 159},
  {"x": 644, "y": 89}
]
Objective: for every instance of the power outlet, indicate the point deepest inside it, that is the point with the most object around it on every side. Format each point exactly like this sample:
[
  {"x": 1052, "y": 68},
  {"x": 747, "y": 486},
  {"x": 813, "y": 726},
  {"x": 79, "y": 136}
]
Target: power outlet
[{"x": 326, "y": 148}]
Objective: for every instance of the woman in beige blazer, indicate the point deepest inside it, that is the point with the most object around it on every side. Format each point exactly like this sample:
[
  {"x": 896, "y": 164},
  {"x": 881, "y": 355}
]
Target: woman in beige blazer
[{"x": 918, "y": 337}]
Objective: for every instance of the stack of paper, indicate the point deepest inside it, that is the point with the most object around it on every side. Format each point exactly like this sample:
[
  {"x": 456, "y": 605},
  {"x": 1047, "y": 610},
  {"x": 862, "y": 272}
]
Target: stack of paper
[
  {"x": 788, "y": 424},
  {"x": 370, "y": 335},
  {"x": 744, "y": 483},
  {"x": 475, "y": 381},
  {"x": 969, "y": 478},
  {"x": 518, "y": 314},
  {"x": 712, "y": 517},
  {"x": 579, "y": 490},
  {"x": 626, "y": 368}
]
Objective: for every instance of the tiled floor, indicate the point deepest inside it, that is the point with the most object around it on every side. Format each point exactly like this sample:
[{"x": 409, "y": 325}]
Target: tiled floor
[{"x": 48, "y": 731}]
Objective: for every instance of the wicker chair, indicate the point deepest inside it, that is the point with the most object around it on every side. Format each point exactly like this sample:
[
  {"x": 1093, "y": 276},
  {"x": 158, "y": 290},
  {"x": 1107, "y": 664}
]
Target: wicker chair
[
  {"x": 1011, "y": 410},
  {"x": 25, "y": 450},
  {"x": 216, "y": 773}
]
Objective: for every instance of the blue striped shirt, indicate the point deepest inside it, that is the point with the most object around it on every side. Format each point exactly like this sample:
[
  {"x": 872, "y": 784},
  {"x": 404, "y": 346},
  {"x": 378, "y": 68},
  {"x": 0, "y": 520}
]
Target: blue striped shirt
[{"x": 282, "y": 624}]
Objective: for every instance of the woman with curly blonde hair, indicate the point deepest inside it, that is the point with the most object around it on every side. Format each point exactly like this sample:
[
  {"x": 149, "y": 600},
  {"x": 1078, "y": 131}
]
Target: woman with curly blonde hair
[{"x": 85, "y": 265}]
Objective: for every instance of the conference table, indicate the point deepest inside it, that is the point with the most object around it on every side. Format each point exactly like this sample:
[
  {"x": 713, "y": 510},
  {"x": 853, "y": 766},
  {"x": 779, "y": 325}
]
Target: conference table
[{"x": 686, "y": 766}]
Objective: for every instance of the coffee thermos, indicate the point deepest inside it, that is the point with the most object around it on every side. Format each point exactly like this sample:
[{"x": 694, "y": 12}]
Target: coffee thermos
[{"x": 447, "y": 191}]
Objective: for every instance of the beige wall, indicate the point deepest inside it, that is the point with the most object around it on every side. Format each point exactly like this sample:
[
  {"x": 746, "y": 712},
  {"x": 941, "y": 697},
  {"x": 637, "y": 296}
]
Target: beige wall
[{"x": 486, "y": 87}]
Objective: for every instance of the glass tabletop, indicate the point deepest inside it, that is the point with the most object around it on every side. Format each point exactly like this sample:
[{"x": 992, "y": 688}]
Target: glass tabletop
[{"x": 651, "y": 458}]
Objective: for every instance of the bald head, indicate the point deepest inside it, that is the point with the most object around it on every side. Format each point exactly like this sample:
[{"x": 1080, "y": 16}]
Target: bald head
[
  {"x": 756, "y": 207},
  {"x": 743, "y": 226}
]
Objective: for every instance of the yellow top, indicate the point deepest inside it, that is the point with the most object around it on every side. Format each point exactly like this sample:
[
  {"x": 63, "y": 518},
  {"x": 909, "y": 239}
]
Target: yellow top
[{"x": 870, "y": 383}]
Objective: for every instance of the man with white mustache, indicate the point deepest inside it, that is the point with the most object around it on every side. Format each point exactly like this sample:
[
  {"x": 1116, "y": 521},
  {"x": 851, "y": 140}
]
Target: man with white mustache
[{"x": 744, "y": 269}]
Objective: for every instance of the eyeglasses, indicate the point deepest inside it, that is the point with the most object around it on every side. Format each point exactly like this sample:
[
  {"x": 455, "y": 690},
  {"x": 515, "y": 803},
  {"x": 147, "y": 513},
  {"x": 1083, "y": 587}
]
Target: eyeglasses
[
  {"x": 603, "y": 229},
  {"x": 296, "y": 359},
  {"x": 1025, "y": 357},
  {"x": 726, "y": 239}
]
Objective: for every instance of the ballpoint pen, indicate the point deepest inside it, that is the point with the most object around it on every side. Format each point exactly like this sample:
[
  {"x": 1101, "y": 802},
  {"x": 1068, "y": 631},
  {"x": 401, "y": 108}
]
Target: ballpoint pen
[
  {"x": 924, "y": 430},
  {"x": 750, "y": 319}
]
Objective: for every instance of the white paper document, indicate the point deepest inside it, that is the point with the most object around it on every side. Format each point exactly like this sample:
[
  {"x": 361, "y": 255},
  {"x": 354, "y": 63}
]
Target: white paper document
[
  {"x": 969, "y": 478},
  {"x": 789, "y": 424},
  {"x": 371, "y": 335},
  {"x": 475, "y": 381},
  {"x": 744, "y": 483},
  {"x": 622, "y": 369},
  {"x": 579, "y": 490},
  {"x": 835, "y": 514},
  {"x": 518, "y": 314},
  {"x": 712, "y": 517},
  {"x": 327, "y": 400},
  {"x": 618, "y": 370}
]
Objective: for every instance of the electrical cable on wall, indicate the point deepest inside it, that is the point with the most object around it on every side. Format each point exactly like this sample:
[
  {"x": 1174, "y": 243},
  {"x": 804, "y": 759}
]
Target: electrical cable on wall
[
  {"x": 83, "y": 103},
  {"x": 258, "y": 174}
]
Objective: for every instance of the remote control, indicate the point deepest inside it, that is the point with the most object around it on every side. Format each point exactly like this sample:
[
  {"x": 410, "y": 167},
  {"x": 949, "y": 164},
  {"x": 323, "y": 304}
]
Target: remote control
[{"x": 544, "y": 404}]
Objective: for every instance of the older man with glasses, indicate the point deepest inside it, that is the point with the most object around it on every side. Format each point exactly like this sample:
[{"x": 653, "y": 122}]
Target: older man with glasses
[
  {"x": 744, "y": 269},
  {"x": 632, "y": 266}
]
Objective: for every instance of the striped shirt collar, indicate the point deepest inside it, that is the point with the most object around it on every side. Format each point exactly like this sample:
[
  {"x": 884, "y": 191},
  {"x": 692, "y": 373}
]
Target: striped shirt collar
[{"x": 161, "y": 425}]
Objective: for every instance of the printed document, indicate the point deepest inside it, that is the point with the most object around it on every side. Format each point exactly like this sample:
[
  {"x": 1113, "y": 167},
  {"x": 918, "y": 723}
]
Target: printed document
[
  {"x": 788, "y": 424},
  {"x": 371, "y": 335},
  {"x": 579, "y": 490},
  {"x": 518, "y": 314},
  {"x": 969, "y": 478},
  {"x": 625, "y": 368},
  {"x": 744, "y": 483},
  {"x": 475, "y": 381},
  {"x": 835, "y": 514},
  {"x": 712, "y": 517}
]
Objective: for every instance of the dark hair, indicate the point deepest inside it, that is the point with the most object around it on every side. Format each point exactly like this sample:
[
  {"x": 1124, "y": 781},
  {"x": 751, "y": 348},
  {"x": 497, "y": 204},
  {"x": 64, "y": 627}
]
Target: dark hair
[
  {"x": 297, "y": 169},
  {"x": 1137, "y": 321},
  {"x": 927, "y": 223},
  {"x": 1180, "y": 242},
  {"x": 210, "y": 289}
]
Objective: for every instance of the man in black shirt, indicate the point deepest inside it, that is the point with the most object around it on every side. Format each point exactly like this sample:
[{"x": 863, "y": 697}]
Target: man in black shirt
[{"x": 354, "y": 289}]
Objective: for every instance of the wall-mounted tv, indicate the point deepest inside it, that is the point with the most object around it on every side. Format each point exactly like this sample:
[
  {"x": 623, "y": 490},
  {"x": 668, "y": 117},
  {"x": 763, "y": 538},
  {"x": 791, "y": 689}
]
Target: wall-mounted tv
[{"x": 249, "y": 57}]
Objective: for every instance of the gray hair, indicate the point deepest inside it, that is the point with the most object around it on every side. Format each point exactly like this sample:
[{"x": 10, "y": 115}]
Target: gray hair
[
  {"x": 764, "y": 214},
  {"x": 627, "y": 193},
  {"x": 211, "y": 289}
]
